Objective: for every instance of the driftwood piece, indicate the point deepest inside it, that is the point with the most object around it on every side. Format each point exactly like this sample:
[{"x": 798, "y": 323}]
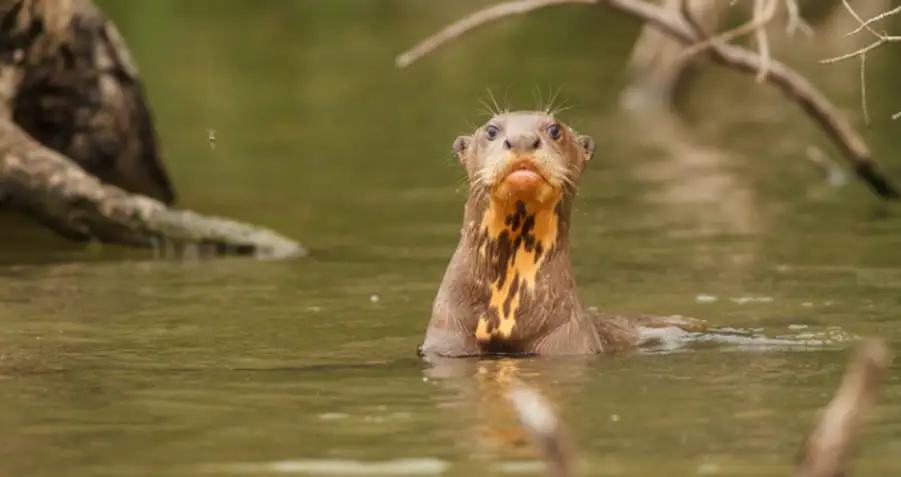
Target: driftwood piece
[
  {"x": 79, "y": 206},
  {"x": 826, "y": 450},
  {"x": 795, "y": 86},
  {"x": 78, "y": 147}
]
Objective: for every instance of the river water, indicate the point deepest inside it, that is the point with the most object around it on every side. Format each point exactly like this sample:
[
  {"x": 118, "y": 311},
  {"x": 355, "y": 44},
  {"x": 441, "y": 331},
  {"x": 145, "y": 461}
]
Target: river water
[{"x": 114, "y": 363}]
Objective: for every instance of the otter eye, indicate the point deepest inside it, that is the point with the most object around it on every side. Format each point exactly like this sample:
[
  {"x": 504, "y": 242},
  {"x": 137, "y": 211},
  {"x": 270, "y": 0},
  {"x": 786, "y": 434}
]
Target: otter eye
[
  {"x": 492, "y": 131},
  {"x": 553, "y": 131}
]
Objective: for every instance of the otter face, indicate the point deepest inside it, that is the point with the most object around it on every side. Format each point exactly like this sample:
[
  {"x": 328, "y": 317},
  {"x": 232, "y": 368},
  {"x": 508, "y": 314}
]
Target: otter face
[{"x": 524, "y": 156}]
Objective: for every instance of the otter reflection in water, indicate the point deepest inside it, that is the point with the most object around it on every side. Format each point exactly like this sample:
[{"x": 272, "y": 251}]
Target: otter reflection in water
[
  {"x": 485, "y": 424},
  {"x": 509, "y": 287}
]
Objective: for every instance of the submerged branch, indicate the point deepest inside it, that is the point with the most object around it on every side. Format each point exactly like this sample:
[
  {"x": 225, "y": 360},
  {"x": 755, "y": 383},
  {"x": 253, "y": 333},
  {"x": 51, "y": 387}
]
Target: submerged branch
[
  {"x": 826, "y": 449},
  {"x": 537, "y": 415},
  {"x": 792, "y": 84},
  {"x": 833, "y": 439},
  {"x": 77, "y": 205}
]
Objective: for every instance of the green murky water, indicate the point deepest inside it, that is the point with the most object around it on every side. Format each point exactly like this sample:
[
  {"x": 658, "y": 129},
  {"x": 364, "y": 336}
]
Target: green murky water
[{"x": 112, "y": 363}]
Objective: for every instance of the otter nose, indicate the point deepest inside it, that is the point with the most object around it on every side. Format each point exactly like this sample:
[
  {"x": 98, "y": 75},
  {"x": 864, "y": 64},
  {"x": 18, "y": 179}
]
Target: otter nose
[{"x": 526, "y": 142}]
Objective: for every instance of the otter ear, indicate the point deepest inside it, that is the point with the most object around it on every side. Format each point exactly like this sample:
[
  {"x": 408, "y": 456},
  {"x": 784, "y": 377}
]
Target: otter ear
[
  {"x": 461, "y": 144},
  {"x": 588, "y": 145}
]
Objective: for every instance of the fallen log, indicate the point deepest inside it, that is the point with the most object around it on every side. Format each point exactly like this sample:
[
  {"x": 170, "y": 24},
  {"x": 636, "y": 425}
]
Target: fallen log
[
  {"x": 78, "y": 148},
  {"x": 77, "y": 205}
]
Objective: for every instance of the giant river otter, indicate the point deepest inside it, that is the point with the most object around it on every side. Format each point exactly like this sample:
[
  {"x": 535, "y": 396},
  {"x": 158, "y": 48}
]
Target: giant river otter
[{"x": 509, "y": 287}]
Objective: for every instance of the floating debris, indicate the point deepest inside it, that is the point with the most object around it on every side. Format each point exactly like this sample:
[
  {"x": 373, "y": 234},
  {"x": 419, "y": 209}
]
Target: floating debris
[
  {"x": 333, "y": 416},
  {"x": 335, "y": 467},
  {"x": 751, "y": 299}
]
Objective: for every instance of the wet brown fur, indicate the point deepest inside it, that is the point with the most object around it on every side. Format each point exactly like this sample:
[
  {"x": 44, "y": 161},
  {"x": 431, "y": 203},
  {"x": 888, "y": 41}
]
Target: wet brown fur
[{"x": 509, "y": 288}]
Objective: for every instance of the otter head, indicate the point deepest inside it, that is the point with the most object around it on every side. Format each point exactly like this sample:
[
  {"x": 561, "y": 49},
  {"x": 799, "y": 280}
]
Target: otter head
[
  {"x": 523, "y": 170},
  {"x": 528, "y": 157}
]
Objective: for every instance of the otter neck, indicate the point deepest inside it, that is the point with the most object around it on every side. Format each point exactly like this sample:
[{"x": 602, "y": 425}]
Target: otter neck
[
  {"x": 511, "y": 243},
  {"x": 539, "y": 230}
]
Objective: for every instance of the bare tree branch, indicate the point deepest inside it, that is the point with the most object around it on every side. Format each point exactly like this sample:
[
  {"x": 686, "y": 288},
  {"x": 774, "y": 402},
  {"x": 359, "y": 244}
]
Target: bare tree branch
[
  {"x": 881, "y": 39},
  {"x": 764, "y": 12},
  {"x": 689, "y": 16},
  {"x": 866, "y": 24},
  {"x": 862, "y": 51},
  {"x": 795, "y": 21},
  {"x": 792, "y": 84},
  {"x": 490, "y": 14},
  {"x": 863, "y": 89}
]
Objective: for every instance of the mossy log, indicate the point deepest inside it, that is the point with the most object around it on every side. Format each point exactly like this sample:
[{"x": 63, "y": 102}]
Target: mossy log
[{"x": 78, "y": 147}]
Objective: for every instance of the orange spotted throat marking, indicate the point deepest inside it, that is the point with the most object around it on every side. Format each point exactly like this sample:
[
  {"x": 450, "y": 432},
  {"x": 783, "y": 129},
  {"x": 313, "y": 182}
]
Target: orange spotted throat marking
[{"x": 518, "y": 243}]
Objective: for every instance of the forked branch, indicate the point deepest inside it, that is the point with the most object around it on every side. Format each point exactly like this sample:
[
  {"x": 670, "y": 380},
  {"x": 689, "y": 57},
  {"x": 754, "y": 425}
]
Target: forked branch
[
  {"x": 861, "y": 54},
  {"x": 792, "y": 84}
]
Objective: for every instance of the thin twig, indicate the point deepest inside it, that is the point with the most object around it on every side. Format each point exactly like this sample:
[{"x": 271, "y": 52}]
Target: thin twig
[
  {"x": 795, "y": 21},
  {"x": 757, "y": 23},
  {"x": 689, "y": 16},
  {"x": 861, "y": 53},
  {"x": 863, "y": 89},
  {"x": 495, "y": 12},
  {"x": 866, "y": 24},
  {"x": 832, "y": 441},
  {"x": 764, "y": 10},
  {"x": 863, "y": 24},
  {"x": 881, "y": 38}
]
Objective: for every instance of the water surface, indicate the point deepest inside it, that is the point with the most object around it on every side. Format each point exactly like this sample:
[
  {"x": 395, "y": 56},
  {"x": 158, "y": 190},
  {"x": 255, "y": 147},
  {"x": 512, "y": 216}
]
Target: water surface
[{"x": 113, "y": 363}]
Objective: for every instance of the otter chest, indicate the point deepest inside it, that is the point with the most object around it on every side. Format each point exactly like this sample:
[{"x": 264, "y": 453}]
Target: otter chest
[{"x": 513, "y": 246}]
